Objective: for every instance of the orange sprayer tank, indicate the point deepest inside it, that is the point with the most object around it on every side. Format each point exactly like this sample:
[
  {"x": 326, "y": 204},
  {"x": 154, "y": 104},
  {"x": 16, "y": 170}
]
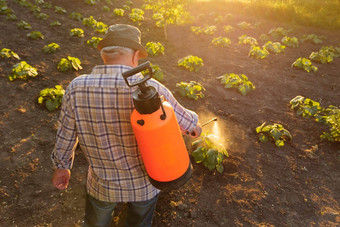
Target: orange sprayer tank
[{"x": 158, "y": 136}]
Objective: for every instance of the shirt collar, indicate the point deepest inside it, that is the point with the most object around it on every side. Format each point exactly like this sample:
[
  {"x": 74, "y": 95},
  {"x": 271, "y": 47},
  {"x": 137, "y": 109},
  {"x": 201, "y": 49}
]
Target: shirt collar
[{"x": 109, "y": 69}]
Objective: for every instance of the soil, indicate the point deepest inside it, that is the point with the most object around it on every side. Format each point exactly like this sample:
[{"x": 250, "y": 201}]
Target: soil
[{"x": 262, "y": 185}]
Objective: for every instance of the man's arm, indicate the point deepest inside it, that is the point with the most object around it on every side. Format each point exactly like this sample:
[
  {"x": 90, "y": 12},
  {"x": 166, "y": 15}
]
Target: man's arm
[{"x": 66, "y": 143}]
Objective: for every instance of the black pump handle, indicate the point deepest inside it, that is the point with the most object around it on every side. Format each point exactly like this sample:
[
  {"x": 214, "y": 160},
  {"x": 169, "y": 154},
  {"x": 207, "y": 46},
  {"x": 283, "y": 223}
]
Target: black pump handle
[{"x": 140, "y": 68}]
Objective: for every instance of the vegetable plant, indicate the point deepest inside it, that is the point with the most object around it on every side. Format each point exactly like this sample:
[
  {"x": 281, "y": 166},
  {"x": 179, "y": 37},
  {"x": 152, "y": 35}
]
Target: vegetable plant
[
  {"x": 209, "y": 151},
  {"x": 306, "y": 107},
  {"x": 118, "y": 12},
  {"x": 24, "y": 25},
  {"x": 76, "y": 16},
  {"x": 155, "y": 48},
  {"x": 192, "y": 90},
  {"x": 264, "y": 37},
  {"x": 93, "y": 42},
  {"x": 331, "y": 117},
  {"x": 221, "y": 41},
  {"x": 91, "y": 2},
  {"x": 244, "y": 39},
  {"x": 244, "y": 25},
  {"x": 22, "y": 70},
  {"x": 275, "y": 47},
  {"x": 35, "y": 35},
  {"x": 325, "y": 54},
  {"x": 59, "y": 10},
  {"x": 51, "y": 97},
  {"x": 275, "y": 132},
  {"x": 312, "y": 38},
  {"x": 8, "y": 53},
  {"x": 101, "y": 27},
  {"x": 42, "y": 16},
  {"x": 290, "y": 41},
  {"x": 55, "y": 24},
  {"x": 240, "y": 82},
  {"x": 77, "y": 32},
  {"x": 228, "y": 28},
  {"x": 257, "y": 52},
  {"x": 106, "y": 9},
  {"x": 50, "y": 48},
  {"x": 90, "y": 22},
  {"x": 69, "y": 63},
  {"x": 156, "y": 72},
  {"x": 208, "y": 30},
  {"x": 193, "y": 63},
  {"x": 304, "y": 63},
  {"x": 279, "y": 32},
  {"x": 11, "y": 17},
  {"x": 136, "y": 15}
]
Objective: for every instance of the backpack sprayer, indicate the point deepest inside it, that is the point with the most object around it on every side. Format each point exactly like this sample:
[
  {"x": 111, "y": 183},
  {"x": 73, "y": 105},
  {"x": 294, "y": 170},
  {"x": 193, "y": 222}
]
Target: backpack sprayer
[{"x": 158, "y": 135}]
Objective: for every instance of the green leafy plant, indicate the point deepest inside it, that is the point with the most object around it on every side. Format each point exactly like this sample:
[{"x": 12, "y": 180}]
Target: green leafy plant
[
  {"x": 136, "y": 15},
  {"x": 106, "y": 9},
  {"x": 244, "y": 25},
  {"x": 228, "y": 28},
  {"x": 11, "y": 17},
  {"x": 24, "y": 25},
  {"x": 42, "y": 16},
  {"x": 50, "y": 48},
  {"x": 23, "y": 71},
  {"x": 69, "y": 63},
  {"x": 156, "y": 72},
  {"x": 331, "y": 117},
  {"x": 240, "y": 82},
  {"x": 101, "y": 27},
  {"x": 247, "y": 40},
  {"x": 118, "y": 12},
  {"x": 55, "y": 23},
  {"x": 155, "y": 48},
  {"x": 264, "y": 37},
  {"x": 126, "y": 7},
  {"x": 193, "y": 63},
  {"x": 192, "y": 90},
  {"x": 312, "y": 38},
  {"x": 76, "y": 16},
  {"x": 275, "y": 47},
  {"x": 77, "y": 32},
  {"x": 221, "y": 41},
  {"x": 91, "y": 2},
  {"x": 290, "y": 41},
  {"x": 35, "y": 35},
  {"x": 59, "y": 10},
  {"x": 209, "y": 151},
  {"x": 257, "y": 52},
  {"x": 8, "y": 53},
  {"x": 51, "y": 97},
  {"x": 306, "y": 107},
  {"x": 304, "y": 63},
  {"x": 90, "y": 22},
  {"x": 275, "y": 132},
  {"x": 208, "y": 30},
  {"x": 93, "y": 42},
  {"x": 279, "y": 32},
  {"x": 325, "y": 54}
]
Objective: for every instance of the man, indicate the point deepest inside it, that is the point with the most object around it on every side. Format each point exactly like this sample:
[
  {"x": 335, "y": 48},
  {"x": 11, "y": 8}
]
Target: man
[{"x": 96, "y": 113}]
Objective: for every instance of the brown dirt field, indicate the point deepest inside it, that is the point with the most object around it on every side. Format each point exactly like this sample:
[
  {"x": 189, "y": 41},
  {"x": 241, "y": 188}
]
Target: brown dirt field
[{"x": 262, "y": 185}]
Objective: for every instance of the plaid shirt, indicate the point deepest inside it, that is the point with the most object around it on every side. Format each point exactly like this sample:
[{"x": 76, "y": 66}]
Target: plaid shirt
[{"x": 96, "y": 112}]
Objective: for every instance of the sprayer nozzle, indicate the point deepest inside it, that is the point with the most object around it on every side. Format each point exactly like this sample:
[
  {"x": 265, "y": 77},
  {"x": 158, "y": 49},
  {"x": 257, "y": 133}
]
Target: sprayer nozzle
[{"x": 213, "y": 119}]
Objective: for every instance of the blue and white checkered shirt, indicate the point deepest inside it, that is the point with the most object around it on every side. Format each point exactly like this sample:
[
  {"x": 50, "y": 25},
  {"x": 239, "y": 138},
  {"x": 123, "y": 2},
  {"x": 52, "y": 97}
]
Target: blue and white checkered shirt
[{"x": 96, "y": 113}]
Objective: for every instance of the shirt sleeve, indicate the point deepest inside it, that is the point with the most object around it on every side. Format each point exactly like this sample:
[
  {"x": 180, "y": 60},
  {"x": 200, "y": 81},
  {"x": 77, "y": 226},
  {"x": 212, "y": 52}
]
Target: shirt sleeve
[
  {"x": 66, "y": 140},
  {"x": 186, "y": 118}
]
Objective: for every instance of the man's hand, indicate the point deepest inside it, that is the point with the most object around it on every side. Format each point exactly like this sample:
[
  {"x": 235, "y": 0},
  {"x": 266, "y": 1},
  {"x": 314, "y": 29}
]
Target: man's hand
[
  {"x": 61, "y": 178},
  {"x": 197, "y": 132}
]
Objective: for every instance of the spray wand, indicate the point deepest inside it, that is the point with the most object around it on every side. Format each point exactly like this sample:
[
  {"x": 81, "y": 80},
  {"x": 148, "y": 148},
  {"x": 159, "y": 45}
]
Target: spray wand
[{"x": 204, "y": 124}]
